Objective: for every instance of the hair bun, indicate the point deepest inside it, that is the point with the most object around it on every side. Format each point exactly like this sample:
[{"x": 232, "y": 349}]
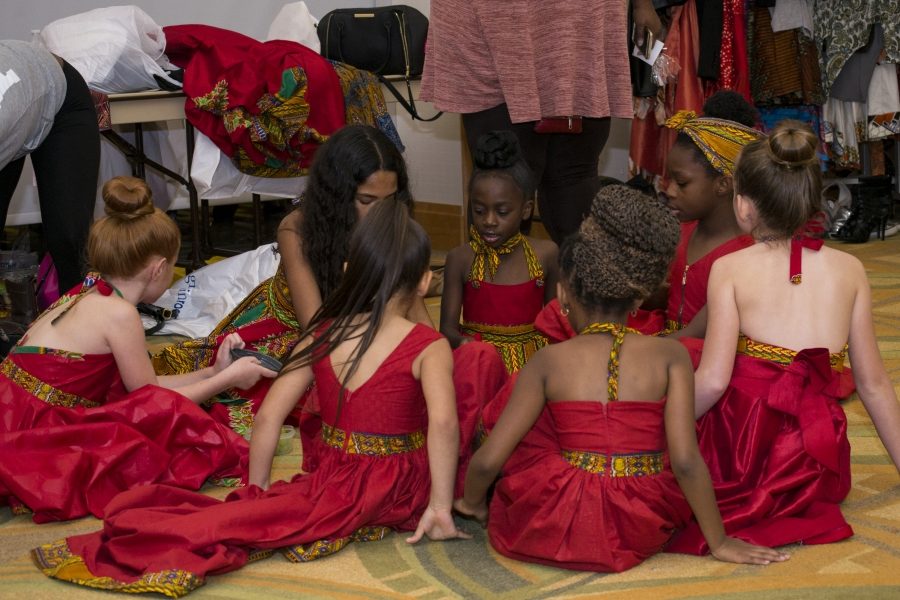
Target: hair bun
[
  {"x": 634, "y": 220},
  {"x": 497, "y": 150},
  {"x": 793, "y": 145},
  {"x": 624, "y": 245},
  {"x": 127, "y": 198}
]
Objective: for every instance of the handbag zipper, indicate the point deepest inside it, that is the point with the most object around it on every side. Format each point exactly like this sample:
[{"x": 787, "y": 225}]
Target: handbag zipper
[{"x": 401, "y": 20}]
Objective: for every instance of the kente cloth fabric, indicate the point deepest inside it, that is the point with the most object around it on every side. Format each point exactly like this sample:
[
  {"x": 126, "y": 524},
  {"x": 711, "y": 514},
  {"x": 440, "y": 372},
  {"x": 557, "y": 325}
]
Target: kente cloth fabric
[
  {"x": 777, "y": 450},
  {"x": 80, "y": 438},
  {"x": 687, "y": 285},
  {"x": 482, "y": 53},
  {"x": 784, "y": 65},
  {"x": 265, "y": 321},
  {"x": 842, "y": 28},
  {"x": 364, "y": 101},
  {"x": 373, "y": 475},
  {"x": 589, "y": 487},
  {"x": 266, "y": 105},
  {"x": 650, "y": 139},
  {"x": 503, "y": 316},
  {"x": 720, "y": 140}
]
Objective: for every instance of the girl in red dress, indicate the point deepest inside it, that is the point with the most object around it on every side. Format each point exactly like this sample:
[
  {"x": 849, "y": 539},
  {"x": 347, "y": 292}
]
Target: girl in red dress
[
  {"x": 83, "y": 412},
  {"x": 387, "y": 451},
  {"x": 501, "y": 279},
  {"x": 354, "y": 170},
  {"x": 699, "y": 171},
  {"x": 598, "y": 472},
  {"x": 771, "y": 430}
]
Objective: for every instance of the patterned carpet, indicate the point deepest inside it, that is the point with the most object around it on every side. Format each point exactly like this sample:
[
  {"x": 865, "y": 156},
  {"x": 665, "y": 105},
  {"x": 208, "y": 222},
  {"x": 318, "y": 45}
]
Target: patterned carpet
[{"x": 865, "y": 566}]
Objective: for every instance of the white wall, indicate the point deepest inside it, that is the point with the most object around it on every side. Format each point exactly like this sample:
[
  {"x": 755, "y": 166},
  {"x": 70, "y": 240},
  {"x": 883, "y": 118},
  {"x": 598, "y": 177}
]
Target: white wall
[{"x": 433, "y": 150}]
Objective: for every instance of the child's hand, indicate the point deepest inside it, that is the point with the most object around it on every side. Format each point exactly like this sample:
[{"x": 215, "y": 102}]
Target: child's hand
[
  {"x": 437, "y": 525},
  {"x": 739, "y": 551},
  {"x": 223, "y": 356},
  {"x": 478, "y": 512},
  {"x": 246, "y": 371}
]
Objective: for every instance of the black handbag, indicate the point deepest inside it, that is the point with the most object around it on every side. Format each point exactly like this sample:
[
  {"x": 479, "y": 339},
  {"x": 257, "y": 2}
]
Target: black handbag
[{"x": 388, "y": 41}]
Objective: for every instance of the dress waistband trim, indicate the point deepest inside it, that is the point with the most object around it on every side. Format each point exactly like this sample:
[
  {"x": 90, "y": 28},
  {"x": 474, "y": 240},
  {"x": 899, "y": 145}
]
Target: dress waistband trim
[
  {"x": 371, "y": 444},
  {"x": 616, "y": 465},
  {"x": 41, "y": 390},
  {"x": 782, "y": 356}
]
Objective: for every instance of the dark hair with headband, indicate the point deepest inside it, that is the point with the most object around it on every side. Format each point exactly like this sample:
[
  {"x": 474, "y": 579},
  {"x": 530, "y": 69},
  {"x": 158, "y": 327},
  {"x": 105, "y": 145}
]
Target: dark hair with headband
[{"x": 781, "y": 176}]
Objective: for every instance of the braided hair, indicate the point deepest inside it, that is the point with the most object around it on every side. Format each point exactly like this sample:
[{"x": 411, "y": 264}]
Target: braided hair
[{"x": 622, "y": 251}]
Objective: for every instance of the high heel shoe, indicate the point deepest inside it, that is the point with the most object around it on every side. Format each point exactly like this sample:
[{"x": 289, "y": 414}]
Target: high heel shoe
[{"x": 872, "y": 205}]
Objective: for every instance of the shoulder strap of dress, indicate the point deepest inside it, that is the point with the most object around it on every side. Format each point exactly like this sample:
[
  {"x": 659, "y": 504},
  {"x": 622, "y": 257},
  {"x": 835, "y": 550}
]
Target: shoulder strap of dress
[{"x": 618, "y": 332}]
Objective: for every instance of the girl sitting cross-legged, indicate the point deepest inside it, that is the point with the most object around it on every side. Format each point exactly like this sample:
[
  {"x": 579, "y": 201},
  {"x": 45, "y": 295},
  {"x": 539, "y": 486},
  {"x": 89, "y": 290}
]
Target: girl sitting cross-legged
[{"x": 598, "y": 472}]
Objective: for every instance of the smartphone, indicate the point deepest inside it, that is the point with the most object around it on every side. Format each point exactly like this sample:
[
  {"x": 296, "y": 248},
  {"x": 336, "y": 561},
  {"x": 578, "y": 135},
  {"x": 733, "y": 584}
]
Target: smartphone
[{"x": 646, "y": 44}]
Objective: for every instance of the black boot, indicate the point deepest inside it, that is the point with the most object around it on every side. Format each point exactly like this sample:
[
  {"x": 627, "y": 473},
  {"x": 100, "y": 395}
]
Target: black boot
[{"x": 871, "y": 207}]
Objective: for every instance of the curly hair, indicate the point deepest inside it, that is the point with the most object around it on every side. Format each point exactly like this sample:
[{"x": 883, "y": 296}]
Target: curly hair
[
  {"x": 498, "y": 153},
  {"x": 732, "y": 106},
  {"x": 132, "y": 232},
  {"x": 340, "y": 166},
  {"x": 782, "y": 177},
  {"x": 622, "y": 251}
]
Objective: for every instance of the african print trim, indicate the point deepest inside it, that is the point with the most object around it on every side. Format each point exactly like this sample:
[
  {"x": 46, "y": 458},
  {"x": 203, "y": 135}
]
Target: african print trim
[
  {"x": 240, "y": 418},
  {"x": 618, "y": 332},
  {"x": 616, "y": 465},
  {"x": 56, "y": 560},
  {"x": 671, "y": 327},
  {"x": 43, "y": 391},
  {"x": 271, "y": 298},
  {"x": 782, "y": 356},
  {"x": 487, "y": 258},
  {"x": 516, "y": 343},
  {"x": 719, "y": 140},
  {"x": 480, "y": 435},
  {"x": 372, "y": 444},
  {"x": 306, "y": 552}
]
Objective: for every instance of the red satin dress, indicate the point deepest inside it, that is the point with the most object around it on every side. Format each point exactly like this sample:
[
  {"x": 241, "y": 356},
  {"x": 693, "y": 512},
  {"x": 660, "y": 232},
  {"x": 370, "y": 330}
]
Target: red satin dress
[
  {"x": 589, "y": 488},
  {"x": 74, "y": 438},
  {"x": 373, "y": 476},
  {"x": 503, "y": 316},
  {"x": 687, "y": 285},
  {"x": 777, "y": 449}
]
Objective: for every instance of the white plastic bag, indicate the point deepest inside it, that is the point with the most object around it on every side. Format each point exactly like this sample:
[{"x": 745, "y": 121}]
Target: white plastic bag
[
  {"x": 206, "y": 296},
  {"x": 294, "y": 23},
  {"x": 116, "y": 49}
]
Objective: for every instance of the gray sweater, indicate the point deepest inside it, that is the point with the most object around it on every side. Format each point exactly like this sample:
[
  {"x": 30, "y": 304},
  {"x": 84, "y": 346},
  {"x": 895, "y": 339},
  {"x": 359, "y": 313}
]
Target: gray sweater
[{"x": 32, "y": 90}]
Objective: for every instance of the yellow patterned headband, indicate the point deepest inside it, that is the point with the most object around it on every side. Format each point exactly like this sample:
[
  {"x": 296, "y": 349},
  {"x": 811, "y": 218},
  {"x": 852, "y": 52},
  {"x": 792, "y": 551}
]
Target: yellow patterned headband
[{"x": 719, "y": 140}]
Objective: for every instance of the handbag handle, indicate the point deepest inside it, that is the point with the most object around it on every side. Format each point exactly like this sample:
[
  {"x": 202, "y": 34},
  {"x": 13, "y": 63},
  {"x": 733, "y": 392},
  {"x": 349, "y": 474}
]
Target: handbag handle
[
  {"x": 410, "y": 104},
  {"x": 340, "y": 45}
]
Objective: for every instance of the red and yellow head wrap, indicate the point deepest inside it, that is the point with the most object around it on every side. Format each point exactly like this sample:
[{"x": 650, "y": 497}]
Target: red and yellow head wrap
[{"x": 719, "y": 140}]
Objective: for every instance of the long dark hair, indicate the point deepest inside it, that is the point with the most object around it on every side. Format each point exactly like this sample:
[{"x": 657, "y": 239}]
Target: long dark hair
[
  {"x": 340, "y": 166},
  {"x": 388, "y": 253}
]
